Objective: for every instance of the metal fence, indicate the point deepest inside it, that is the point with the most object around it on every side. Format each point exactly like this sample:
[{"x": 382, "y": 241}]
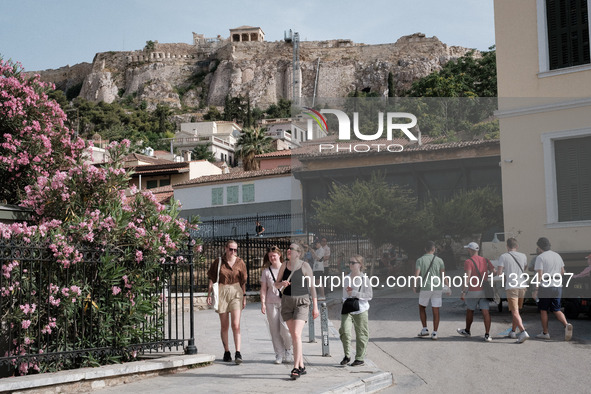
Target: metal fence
[
  {"x": 250, "y": 249},
  {"x": 283, "y": 225},
  {"x": 37, "y": 333}
]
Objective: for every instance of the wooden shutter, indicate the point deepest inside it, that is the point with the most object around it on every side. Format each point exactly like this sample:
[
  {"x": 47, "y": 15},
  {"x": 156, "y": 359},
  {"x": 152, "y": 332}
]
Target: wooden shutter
[
  {"x": 573, "y": 178},
  {"x": 568, "y": 33}
]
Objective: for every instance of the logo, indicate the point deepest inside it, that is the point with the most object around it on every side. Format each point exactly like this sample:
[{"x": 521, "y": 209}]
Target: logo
[{"x": 344, "y": 125}]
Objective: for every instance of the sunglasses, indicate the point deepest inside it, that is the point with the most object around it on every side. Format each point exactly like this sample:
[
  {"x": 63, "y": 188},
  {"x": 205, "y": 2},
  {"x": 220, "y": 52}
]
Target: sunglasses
[
  {"x": 233, "y": 250},
  {"x": 273, "y": 249},
  {"x": 295, "y": 249},
  {"x": 354, "y": 262}
]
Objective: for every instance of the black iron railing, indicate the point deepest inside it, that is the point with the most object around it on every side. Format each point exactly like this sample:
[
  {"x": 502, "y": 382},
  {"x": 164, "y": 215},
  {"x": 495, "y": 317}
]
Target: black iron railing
[{"x": 36, "y": 332}]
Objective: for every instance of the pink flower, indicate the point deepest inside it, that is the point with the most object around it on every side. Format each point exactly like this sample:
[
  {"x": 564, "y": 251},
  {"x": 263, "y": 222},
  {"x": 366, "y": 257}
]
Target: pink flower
[
  {"x": 25, "y": 324},
  {"x": 139, "y": 255},
  {"x": 116, "y": 290}
]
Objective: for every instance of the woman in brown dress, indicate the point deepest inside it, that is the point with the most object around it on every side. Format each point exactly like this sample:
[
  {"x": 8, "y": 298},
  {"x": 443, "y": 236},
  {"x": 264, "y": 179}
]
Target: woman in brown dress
[{"x": 232, "y": 295}]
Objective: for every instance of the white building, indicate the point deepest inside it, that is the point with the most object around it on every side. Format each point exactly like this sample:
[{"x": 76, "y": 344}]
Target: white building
[{"x": 221, "y": 134}]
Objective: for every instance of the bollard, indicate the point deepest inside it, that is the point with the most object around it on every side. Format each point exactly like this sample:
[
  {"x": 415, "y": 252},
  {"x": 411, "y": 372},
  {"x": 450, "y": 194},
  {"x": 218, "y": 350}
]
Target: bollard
[
  {"x": 191, "y": 348},
  {"x": 311, "y": 334},
  {"x": 324, "y": 329}
]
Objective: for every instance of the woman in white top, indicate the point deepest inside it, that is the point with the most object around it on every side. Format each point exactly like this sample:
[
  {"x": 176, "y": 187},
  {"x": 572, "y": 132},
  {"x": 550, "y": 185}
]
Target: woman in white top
[
  {"x": 356, "y": 285},
  {"x": 318, "y": 268},
  {"x": 271, "y": 306}
]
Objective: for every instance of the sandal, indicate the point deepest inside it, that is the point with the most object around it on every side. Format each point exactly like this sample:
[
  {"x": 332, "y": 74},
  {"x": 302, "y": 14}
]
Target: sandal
[
  {"x": 295, "y": 373},
  {"x": 303, "y": 371}
]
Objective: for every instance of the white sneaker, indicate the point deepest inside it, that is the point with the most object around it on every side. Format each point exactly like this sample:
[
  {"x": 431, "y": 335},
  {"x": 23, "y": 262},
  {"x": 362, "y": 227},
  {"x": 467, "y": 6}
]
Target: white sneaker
[
  {"x": 487, "y": 338},
  {"x": 288, "y": 357},
  {"x": 568, "y": 332},
  {"x": 513, "y": 335},
  {"x": 278, "y": 358},
  {"x": 522, "y": 337},
  {"x": 424, "y": 332},
  {"x": 543, "y": 336},
  {"x": 463, "y": 332},
  {"x": 434, "y": 335}
]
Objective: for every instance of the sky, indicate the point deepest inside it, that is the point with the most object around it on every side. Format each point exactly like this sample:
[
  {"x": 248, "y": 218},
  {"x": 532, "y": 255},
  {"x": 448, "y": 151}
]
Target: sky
[{"x": 42, "y": 34}]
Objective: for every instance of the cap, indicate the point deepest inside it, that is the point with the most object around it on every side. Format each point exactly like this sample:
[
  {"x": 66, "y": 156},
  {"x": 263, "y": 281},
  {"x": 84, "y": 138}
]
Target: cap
[
  {"x": 472, "y": 245},
  {"x": 543, "y": 243}
]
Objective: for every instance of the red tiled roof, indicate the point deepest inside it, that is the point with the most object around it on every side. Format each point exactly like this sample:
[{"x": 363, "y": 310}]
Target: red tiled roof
[
  {"x": 139, "y": 157},
  {"x": 236, "y": 175},
  {"x": 279, "y": 153},
  {"x": 173, "y": 167},
  {"x": 162, "y": 194},
  {"x": 311, "y": 150}
]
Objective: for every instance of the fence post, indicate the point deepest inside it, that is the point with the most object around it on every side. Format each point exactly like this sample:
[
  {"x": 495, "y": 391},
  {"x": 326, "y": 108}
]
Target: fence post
[
  {"x": 324, "y": 329},
  {"x": 311, "y": 334},
  {"x": 191, "y": 348}
]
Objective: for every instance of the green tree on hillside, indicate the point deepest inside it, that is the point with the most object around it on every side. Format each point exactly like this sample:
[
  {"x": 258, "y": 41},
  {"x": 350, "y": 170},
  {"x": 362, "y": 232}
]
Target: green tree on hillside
[{"x": 465, "y": 77}]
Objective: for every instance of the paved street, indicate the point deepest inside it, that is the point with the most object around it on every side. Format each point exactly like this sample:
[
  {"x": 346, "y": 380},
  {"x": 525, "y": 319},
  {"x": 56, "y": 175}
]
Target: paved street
[
  {"x": 457, "y": 364},
  {"x": 418, "y": 365}
]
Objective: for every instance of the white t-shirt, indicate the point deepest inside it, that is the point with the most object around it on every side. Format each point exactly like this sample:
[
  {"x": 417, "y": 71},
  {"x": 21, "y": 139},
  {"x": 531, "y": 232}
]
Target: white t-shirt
[
  {"x": 515, "y": 278},
  {"x": 318, "y": 263},
  {"x": 550, "y": 263}
]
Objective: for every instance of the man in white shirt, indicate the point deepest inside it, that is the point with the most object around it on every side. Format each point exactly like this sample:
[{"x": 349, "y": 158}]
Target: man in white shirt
[
  {"x": 549, "y": 267},
  {"x": 513, "y": 264}
]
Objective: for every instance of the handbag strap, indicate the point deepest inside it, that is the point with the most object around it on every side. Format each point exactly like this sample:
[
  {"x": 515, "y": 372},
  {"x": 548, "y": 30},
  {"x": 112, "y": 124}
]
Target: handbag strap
[
  {"x": 477, "y": 270},
  {"x": 429, "y": 269},
  {"x": 516, "y": 262},
  {"x": 272, "y": 275},
  {"x": 219, "y": 265}
]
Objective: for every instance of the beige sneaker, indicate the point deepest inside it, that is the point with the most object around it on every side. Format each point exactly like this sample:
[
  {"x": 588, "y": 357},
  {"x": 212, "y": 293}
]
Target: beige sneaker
[{"x": 568, "y": 332}]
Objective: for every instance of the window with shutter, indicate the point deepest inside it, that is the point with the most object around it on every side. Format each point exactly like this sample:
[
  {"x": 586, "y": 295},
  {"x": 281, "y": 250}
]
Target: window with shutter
[
  {"x": 248, "y": 192},
  {"x": 573, "y": 178},
  {"x": 568, "y": 33},
  {"x": 217, "y": 196},
  {"x": 232, "y": 195}
]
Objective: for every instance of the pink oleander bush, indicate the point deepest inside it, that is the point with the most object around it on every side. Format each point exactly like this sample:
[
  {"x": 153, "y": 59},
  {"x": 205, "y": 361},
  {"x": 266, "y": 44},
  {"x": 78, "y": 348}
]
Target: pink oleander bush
[
  {"x": 109, "y": 301},
  {"x": 34, "y": 140}
]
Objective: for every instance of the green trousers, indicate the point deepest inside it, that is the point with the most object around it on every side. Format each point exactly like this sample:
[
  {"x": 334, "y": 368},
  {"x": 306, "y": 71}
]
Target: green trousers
[{"x": 361, "y": 324}]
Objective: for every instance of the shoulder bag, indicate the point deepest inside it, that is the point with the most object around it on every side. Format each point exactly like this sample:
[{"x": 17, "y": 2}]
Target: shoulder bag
[
  {"x": 215, "y": 291},
  {"x": 351, "y": 304}
]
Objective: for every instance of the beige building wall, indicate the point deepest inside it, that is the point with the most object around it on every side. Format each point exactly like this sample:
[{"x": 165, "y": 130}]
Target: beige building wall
[{"x": 536, "y": 107}]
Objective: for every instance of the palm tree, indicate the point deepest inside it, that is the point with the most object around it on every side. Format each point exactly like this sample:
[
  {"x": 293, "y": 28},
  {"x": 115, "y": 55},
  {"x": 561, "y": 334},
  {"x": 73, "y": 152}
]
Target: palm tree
[
  {"x": 202, "y": 152},
  {"x": 252, "y": 141}
]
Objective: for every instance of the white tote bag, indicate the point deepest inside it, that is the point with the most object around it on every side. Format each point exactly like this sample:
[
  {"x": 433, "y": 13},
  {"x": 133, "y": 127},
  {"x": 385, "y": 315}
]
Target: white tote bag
[{"x": 215, "y": 289}]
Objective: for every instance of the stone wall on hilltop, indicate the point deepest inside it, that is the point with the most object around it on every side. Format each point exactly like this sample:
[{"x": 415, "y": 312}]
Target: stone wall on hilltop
[{"x": 201, "y": 75}]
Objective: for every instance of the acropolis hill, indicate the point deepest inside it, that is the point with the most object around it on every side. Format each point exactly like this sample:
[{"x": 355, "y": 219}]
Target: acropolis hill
[{"x": 205, "y": 72}]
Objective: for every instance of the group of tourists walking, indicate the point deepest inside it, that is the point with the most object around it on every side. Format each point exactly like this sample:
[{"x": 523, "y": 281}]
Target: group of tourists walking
[
  {"x": 288, "y": 291},
  {"x": 286, "y": 299},
  {"x": 477, "y": 289}
]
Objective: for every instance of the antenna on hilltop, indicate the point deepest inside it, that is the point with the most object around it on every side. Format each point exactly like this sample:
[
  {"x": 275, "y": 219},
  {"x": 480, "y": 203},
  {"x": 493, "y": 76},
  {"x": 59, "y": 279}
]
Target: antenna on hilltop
[{"x": 294, "y": 39}]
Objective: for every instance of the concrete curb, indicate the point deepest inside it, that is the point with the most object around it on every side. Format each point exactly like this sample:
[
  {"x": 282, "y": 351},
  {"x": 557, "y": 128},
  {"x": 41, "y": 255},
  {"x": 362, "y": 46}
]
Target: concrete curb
[
  {"x": 378, "y": 381},
  {"x": 96, "y": 377}
]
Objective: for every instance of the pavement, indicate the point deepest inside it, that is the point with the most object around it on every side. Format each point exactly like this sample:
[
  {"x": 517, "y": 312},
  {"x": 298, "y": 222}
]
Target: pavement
[
  {"x": 258, "y": 373},
  {"x": 206, "y": 372}
]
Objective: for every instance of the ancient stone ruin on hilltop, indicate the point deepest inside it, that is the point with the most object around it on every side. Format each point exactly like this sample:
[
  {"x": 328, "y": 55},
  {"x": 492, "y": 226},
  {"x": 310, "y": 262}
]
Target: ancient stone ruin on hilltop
[{"x": 205, "y": 72}]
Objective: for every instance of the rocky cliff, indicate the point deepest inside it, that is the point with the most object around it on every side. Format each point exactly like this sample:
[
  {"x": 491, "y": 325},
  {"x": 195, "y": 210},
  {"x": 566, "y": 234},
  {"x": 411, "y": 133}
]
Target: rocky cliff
[{"x": 204, "y": 74}]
